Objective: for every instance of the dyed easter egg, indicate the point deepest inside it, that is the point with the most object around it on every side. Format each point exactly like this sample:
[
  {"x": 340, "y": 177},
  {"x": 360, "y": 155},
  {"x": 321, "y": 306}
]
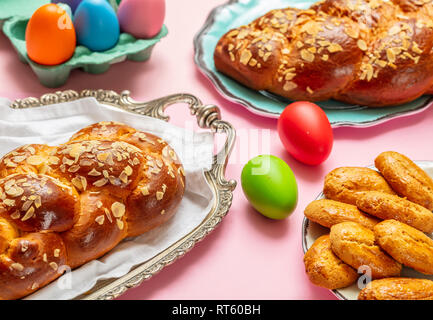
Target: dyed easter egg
[
  {"x": 141, "y": 18},
  {"x": 270, "y": 186},
  {"x": 50, "y": 35},
  {"x": 96, "y": 25},
  {"x": 73, "y": 4},
  {"x": 305, "y": 132}
]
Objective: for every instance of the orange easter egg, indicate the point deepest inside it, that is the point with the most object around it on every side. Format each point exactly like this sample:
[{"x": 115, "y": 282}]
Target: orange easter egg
[{"x": 50, "y": 35}]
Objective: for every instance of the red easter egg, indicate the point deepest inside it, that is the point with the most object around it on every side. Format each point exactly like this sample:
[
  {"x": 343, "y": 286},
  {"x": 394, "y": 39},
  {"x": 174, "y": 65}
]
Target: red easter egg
[{"x": 306, "y": 133}]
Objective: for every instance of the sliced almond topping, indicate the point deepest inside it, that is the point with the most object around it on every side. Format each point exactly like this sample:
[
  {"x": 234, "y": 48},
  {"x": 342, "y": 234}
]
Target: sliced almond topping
[
  {"x": 267, "y": 56},
  {"x": 44, "y": 257},
  {"x": 53, "y": 160},
  {"x": 390, "y": 55},
  {"x": 99, "y": 204},
  {"x": 118, "y": 209},
  {"x": 38, "y": 202},
  {"x": 76, "y": 181},
  {"x": 334, "y": 47},
  {"x": 28, "y": 214},
  {"x": 100, "y": 219},
  {"x": 353, "y": 33},
  {"x": 128, "y": 170},
  {"x": 285, "y": 51},
  {"x": 307, "y": 55},
  {"x": 14, "y": 191},
  {"x": 54, "y": 266},
  {"x": 232, "y": 57},
  {"x": 34, "y": 286},
  {"x": 83, "y": 182},
  {"x": 56, "y": 253},
  {"x": 181, "y": 170},
  {"x": 16, "y": 215},
  {"x": 145, "y": 191},
  {"x": 325, "y": 57},
  {"x": 94, "y": 173},
  {"x": 17, "y": 266},
  {"x": 108, "y": 214},
  {"x": 416, "y": 49},
  {"x": 35, "y": 160},
  {"x": 394, "y": 30},
  {"x": 246, "y": 55},
  {"x": 362, "y": 45},
  {"x": 120, "y": 224},
  {"x": 289, "y": 85},
  {"x": 100, "y": 182},
  {"x": 74, "y": 168},
  {"x": 159, "y": 195},
  {"x": 19, "y": 159},
  {"x": 163, "y": 212},
  {"x": 123, "y": 177},
  {"x": 26, "y": 205},
  {"x": 102, "y": 156}
]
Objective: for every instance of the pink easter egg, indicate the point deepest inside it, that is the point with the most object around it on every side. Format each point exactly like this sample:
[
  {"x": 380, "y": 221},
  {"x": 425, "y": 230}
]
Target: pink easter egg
[{"x": 141, "y": 18}]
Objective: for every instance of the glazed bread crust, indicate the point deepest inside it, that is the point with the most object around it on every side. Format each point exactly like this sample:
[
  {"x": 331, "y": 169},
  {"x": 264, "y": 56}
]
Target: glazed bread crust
[
  {"x": 387, "y": 206},
  {"x": 406, "y": 178},
  {"x": 325, "y": 269},
  {"x": 356, "y": 246},
  {"x": 64, "y": 206},
  {"x": 398, "y": 289},
  {"x": 343, "y": 184},
  {"x": 405, "y": 244},
  {"x": 329, "y": 212},
  {"x": 367, "y": 52}
]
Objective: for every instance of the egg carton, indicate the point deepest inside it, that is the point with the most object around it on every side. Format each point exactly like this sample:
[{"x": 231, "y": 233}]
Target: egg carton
[{"x": 128, "y": 48}]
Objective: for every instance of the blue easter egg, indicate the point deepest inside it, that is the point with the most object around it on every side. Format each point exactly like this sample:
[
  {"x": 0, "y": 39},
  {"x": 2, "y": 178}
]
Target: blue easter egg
[{"x": 96, "y": 25}]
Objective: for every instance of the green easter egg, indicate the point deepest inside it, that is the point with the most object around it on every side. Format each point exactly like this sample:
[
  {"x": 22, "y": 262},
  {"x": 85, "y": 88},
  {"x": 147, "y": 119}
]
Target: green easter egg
[{"x": 270, "y": 186}]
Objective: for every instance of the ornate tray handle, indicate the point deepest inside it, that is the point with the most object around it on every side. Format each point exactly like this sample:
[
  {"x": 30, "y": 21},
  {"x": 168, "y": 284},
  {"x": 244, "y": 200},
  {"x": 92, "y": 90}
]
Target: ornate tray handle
[{"x": 208, "y": 117}]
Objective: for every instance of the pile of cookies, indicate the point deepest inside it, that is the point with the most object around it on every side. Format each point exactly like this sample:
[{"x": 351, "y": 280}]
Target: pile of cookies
[{"x": 378, "y": 222}]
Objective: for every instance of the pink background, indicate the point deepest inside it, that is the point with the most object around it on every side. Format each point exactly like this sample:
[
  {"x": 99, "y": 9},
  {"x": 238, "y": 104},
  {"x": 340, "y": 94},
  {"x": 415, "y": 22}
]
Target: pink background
[{"x": 247, "y": 256}]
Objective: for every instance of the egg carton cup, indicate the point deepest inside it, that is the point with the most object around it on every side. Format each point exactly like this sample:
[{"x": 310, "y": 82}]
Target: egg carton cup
[{"x": 128, "y": 48}]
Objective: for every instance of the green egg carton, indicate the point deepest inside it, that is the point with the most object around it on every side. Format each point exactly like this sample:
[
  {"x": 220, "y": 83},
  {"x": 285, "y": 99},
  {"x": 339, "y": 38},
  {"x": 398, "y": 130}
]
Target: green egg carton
[
  {"x": 128, "y": 48},
  {"x": 19, "y": 8}
]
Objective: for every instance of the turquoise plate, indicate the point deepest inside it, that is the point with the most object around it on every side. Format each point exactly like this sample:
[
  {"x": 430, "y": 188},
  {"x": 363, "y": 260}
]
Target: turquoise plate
[{"x": 240, "y": 12}]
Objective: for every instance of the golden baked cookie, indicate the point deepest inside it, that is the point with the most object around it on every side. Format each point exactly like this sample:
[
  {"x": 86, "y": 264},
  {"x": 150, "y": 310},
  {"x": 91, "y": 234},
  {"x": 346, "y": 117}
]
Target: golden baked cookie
[
  {"x": 405, "y": 244},
  {"x": 342, "y": 184},
  {"x": 387, "y": 206},
  {"x": 325, "y": 269},
  {"x": 406, "y": 178},
  {"x": 356, "y": 246},
  {"x": 329, "y": 212},
  {"x": 398, "y": 289}
]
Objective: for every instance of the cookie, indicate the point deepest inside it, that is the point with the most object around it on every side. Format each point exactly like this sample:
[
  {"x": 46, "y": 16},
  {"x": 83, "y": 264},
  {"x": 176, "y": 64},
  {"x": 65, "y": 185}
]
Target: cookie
[
  {"x": 398, "y": 289},
  {"x": 325, "y": 269},
  {"x": 406, "y": 244},
  {"x": 356, "y": 246},
  {"x": 387, "y": 206},
  {"x": 329, "y": 212},
  {"x": 342, "y": 184},
  {"x": 406, "y": 178}
]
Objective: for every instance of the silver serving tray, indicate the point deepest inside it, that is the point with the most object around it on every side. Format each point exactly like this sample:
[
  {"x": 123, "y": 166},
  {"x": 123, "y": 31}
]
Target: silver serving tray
[{"x": 208, "y": 117}]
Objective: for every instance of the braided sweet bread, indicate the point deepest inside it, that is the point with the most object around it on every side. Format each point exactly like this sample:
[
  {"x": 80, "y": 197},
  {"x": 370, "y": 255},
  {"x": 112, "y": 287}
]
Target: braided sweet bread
[
  {"x": 67, "y": 205},
  {"x": 368, "y": 52}
]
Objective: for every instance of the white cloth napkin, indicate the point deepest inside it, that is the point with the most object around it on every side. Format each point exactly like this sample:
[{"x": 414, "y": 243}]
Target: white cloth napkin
[{"x": 55, "y": 124}]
